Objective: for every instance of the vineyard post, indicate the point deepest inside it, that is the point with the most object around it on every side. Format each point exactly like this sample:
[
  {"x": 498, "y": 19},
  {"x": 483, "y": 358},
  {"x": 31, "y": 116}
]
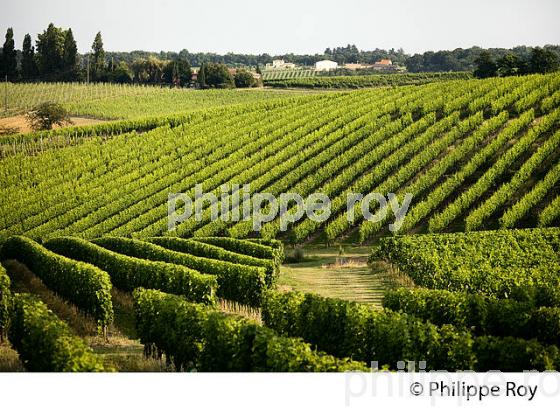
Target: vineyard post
[
  {"x": 87, "y": 76},
  {"x": 6, "y": 94}
]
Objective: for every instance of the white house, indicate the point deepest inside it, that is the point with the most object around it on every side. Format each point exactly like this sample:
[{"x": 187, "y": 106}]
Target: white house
[
  {"x": 280, "y": 65},
  {"x": 326, "y": 65}
]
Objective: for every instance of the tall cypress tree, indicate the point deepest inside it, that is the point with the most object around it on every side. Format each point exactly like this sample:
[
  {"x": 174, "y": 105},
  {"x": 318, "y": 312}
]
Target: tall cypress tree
[
  {"x": 70, "y": 56},
  {"x": 50, "y": 47},
  {"x": 9, "y": 61},
  {"x": 98, "y": 61},
  {"x": 202, "y": 76},
  {"x": 28, "y": 65}
]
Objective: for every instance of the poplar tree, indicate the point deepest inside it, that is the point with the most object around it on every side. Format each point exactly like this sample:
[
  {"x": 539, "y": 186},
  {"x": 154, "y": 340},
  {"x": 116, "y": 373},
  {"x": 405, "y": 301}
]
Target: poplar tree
[
  {"x": 28, "y": 64},
  {"x": 70, "y": 56},
  {"x": 98, "y": 56},
  {"x": 202, "y": 76},
  {"x": 9, "y": 61}
]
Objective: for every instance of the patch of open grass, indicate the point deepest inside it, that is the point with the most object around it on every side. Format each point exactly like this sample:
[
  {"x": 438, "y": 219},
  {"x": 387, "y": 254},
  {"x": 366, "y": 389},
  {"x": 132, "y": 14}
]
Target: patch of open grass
[
  {"x": 337, "y": 271},
  {"x": 234, "y": 308}
]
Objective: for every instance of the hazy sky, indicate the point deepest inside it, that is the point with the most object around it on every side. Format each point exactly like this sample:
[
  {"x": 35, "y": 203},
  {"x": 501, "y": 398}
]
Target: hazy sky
[{"x": 281, "y": 26}]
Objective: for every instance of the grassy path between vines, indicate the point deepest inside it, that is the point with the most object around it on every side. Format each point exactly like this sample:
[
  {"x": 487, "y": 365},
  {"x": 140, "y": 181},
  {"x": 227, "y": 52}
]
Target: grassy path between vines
[
  {"x": 337, "y": 272},
  {"x": 327, "y": 271}
]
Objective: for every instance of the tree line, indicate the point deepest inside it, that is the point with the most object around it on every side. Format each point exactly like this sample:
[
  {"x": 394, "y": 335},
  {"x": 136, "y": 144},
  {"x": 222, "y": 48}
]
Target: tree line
[
  {"x": 538, "y": 61},
  {"x": 54, "y": 57},
  {"x": 439, "y": 61}
]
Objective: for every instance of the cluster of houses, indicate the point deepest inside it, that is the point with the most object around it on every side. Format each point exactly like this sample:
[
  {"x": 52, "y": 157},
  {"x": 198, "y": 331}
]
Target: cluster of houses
[
  {"x": 328, "y": 65},
  {"x": 384, "y": 65}
]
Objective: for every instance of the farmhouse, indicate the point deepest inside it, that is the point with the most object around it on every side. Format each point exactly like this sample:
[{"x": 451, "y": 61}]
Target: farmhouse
[
  {"x": 386, "y": 65},
  {"x": 356, "y": 66},
  {"x": 280, "y": 65},
  {"x": 326, "y": 65}
]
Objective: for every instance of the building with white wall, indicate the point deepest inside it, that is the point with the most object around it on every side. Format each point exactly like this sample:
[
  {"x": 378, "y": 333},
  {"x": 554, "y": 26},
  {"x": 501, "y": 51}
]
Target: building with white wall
[
  {"x": 326, "y": 65},
  {"x": 280, "y": 65}
]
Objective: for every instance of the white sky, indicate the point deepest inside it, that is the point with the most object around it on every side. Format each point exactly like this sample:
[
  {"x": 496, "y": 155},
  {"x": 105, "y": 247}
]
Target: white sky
[{"x": 282, "y": 26}]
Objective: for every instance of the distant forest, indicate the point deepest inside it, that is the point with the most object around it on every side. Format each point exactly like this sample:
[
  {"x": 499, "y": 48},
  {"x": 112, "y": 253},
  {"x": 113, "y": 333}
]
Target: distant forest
[
  {"x": 53, "y": 56},
  {"x": 457, "y": 60}
]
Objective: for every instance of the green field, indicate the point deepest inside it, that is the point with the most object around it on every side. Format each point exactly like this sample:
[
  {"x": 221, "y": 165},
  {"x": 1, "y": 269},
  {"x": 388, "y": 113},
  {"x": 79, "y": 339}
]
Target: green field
[
  {"x": 118, "y": 101},
  {"x": 271, "y": 75},
  {"x": 450, "y": 144},
  {"x": 473, "y": 271},
  {"x": 321, "y": 81}
]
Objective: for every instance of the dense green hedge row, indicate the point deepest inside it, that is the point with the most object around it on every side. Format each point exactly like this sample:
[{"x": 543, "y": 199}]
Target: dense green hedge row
[
  {"x": 511, "y": 354},
  {"x": 241, "y": 283},
  {"x": 5, "y": 301},
  {"x": 208, "y": 340},
  {"x": 347, "y": 329},
  {"x": 521, "y": 264},
  {"x": 85, "y": 285},
  {"x": 263, "y": 249},
  {"x": 44, "y": 342},
  {"x": 273, "y": 243},
  {"x": 128, "y": 273},
  {"x": 481, "y": 314},
  {"x": 206, "y": 250}
]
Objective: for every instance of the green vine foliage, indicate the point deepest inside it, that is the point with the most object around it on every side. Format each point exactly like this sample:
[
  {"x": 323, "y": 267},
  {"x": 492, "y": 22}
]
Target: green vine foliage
[
  {"x": 128, "y": 273},
  {"x": 241, "y": 283},
  {"x": 347, "y": 329},
  {"x": 516, "y": 264},
  {"x": 206, "y": 340},
  {"x": 5, "y": 301},
  {"x": 480, "y": 314},
  {"x": 45, "y": 343},
  {"x": 84, "y": 285}
]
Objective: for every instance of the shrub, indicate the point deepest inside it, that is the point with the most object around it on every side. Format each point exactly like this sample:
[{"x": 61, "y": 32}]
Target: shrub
[
  {"x": 217, "y": 75},
  {"x": 241, "y": 283},
  {"x": 47, "y": 114},
  {"x": 439, "y": 307},
  {"x": 208, "y": 340},
  {"x": 128, "y": 273},
  {"x": 508, "y": 264},
  {"x": 297, "y": 256},
  {"x": 244, "y": 79},
  {"x": 44, "y": 342},
  {"x": 85, "y": 285}
]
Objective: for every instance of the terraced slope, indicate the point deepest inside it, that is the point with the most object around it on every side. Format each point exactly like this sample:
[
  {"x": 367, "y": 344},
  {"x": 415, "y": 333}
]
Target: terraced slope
[{"x": 475, "y": 154}]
